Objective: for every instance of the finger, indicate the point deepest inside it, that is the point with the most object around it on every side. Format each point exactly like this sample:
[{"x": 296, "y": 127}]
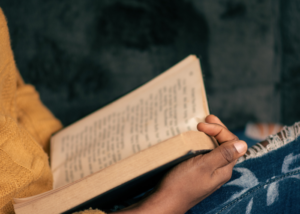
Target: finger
[
  {"x": 214, "y": 119},
  {"x": 225, "y": 154},
  {"x": 221, "y": 133}
]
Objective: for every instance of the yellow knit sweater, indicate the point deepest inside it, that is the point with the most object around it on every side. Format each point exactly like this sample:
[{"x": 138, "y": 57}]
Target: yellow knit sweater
[{"x": 25, "y": 129}]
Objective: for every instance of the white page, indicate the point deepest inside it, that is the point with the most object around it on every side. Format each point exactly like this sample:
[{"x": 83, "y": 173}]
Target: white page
[{"x": 170, "y": 104}]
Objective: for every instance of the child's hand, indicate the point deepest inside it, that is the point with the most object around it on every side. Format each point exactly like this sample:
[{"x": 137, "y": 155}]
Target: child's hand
[{"x": 195, "y": 179}]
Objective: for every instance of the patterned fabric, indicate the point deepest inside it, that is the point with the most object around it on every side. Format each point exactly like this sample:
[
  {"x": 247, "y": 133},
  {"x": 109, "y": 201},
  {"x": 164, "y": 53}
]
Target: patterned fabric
[
  {"x": 275, "y": 141},
  {"x": 267, "y": 183}
]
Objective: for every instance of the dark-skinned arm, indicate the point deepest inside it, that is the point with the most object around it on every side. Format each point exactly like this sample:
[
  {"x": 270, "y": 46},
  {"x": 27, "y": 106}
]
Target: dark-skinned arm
[{"x": 195, "y": 179}]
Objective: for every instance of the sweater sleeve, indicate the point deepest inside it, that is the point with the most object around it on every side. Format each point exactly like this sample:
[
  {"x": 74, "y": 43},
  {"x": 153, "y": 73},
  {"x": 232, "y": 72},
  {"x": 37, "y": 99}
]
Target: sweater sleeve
[
  {"x": 90, "y": 211},
  {"x": 25, "y": 129},
  {"x": 34, "y": 116}
]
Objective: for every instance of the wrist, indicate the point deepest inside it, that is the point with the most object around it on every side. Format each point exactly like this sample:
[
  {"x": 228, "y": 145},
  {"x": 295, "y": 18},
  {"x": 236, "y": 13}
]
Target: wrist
[
  {"x": 163, "y": 202},
  {"x": 160, "y": 202}
]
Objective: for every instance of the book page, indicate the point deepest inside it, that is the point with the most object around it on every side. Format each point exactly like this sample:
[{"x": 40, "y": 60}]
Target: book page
[{"x": 170, "y": 104}]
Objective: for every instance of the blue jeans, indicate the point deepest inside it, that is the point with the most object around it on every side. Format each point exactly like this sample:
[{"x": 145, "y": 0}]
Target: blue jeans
[{"x": 266, "y": 184}]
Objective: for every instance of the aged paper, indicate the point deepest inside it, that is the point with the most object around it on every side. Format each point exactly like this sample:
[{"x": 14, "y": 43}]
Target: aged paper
[{"x": 172, "y": 103}]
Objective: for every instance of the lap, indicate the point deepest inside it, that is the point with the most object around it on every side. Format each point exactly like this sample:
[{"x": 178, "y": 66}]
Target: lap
[{"x": 266, "y": 184}]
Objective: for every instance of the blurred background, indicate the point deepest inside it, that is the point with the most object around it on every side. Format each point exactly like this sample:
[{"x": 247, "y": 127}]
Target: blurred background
[{"x": 83, "y": 54}]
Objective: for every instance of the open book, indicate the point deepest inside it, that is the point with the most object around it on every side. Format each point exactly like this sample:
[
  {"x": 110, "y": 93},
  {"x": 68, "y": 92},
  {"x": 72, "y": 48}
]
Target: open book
[{"x": 125, "y": 147}]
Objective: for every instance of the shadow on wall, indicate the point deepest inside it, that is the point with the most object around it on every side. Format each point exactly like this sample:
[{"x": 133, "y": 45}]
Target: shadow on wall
[
  {"x": 290, "y": 76},
  {"x": 81, "y": 55}
]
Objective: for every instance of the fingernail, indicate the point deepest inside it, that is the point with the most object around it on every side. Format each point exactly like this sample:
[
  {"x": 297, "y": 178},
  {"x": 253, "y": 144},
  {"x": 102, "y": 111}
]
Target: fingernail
[{"x": 240, "y": 146}]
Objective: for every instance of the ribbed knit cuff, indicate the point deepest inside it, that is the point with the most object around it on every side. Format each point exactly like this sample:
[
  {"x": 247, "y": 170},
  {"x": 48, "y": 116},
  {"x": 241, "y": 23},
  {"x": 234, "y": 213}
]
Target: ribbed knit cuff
[{"x": 90, "y": 211}]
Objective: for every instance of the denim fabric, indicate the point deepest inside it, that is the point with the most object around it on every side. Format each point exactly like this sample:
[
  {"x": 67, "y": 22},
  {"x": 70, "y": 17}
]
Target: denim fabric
[{"x": 266, "y": 184}]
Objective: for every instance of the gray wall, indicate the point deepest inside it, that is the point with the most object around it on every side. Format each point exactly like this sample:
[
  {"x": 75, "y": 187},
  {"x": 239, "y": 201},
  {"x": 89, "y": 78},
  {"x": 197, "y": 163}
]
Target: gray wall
[{"x": 82, "y": 54}]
